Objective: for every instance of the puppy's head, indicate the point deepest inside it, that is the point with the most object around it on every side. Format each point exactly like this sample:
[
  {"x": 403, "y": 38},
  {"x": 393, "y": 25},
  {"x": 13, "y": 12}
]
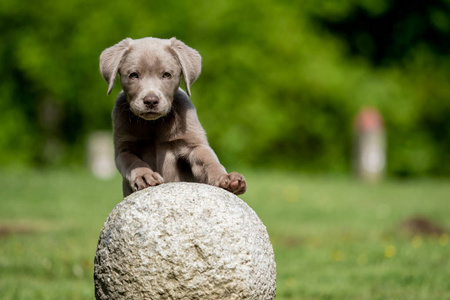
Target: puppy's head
[{"x": 150, "y": 72}]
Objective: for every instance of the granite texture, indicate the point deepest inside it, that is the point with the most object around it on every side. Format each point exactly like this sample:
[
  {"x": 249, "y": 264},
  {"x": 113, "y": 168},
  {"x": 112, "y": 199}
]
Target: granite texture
[{"x": 184, "y": 241}]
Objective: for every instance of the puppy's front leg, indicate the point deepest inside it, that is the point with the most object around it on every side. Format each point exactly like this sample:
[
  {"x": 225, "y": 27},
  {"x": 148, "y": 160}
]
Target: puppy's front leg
[
  {"x": 207, "y": 169},
  {"x": 136, "y": 173}
]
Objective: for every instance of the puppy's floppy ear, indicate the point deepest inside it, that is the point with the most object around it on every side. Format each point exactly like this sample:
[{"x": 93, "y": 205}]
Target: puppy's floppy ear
[
  {"x": 190, "y": 61},
  {"x": 110, "y": 60}
]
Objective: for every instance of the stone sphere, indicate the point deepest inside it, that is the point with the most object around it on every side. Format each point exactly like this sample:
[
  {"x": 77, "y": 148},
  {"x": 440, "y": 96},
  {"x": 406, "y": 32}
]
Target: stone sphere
[{"x": 184, "y": 241}]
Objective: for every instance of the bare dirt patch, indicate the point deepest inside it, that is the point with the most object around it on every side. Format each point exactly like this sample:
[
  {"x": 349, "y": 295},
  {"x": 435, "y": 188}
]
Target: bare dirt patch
[
  {"x": 17, "y": 229},
  {"x": 422, "y": 226}
]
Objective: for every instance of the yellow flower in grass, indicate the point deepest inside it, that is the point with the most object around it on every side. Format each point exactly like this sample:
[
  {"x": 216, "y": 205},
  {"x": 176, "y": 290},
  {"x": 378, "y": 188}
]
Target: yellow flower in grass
[
  {"x": 390, "y": 251},
  {"x": 338, "y": 256},
  {"x": 290, "y": 282},
  {"x": 443, "y": 239},
  {"x": 291, "y": 193},
  {"x": 417, "y": 241}
]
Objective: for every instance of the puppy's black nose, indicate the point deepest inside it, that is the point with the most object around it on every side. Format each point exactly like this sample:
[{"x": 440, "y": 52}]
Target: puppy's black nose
[{"x": 151, "y": 100}]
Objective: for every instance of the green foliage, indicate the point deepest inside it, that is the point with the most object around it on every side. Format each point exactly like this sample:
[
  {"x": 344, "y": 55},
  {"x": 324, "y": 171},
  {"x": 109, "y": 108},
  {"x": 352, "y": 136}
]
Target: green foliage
[
  {"x": 333, "y": 238},
  {"x": 277, "y": 88}
]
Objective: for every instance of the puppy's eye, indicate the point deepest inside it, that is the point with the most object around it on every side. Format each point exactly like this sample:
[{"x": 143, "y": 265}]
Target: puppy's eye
[
  {"x": 166, "y": 75},
  {"x": 134, "y": 75}
]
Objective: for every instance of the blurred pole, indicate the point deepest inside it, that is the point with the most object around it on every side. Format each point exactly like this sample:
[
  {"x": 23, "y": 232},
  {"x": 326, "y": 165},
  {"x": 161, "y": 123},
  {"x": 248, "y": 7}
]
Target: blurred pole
[
  {"x": 369, "y": 153},
  {"x": 100, "y": 152}
]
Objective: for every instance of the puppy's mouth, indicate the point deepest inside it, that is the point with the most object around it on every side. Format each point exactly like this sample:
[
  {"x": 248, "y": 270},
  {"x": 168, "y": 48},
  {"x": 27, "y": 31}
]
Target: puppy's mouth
[
  {"x": 146, "y": 114},
  {"x": 149, "y": 115}
]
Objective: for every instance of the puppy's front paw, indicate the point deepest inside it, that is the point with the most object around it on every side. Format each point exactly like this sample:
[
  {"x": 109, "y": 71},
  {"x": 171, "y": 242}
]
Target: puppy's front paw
[
  {"x": 233, "y": 182},
  {"x": 144, "y": 177}
]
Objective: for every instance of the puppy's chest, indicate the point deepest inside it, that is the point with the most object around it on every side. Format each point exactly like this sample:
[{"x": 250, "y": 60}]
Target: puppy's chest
[
  {"x": 149, "y": 139},
  {"x": 150, "y": 143}
]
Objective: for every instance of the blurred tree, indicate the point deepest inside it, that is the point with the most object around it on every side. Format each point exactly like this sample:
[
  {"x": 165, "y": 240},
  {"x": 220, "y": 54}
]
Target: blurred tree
[
  {"x": 281, "y": 80},
  {"x": 388, "y": 31},
  {"x": 413, "y": 37}
]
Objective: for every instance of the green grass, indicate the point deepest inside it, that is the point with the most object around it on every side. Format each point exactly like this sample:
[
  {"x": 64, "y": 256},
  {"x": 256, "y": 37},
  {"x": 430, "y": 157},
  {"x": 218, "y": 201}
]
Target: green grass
[{"x": 334, "y": 238}]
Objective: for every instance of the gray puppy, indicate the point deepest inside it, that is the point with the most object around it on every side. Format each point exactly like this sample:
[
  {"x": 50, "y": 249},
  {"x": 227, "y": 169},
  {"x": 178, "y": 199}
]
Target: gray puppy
[{"x": 157, "y": 135}]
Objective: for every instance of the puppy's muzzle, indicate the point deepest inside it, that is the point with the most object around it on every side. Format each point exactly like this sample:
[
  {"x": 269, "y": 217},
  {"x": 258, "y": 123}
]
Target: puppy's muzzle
[{"x": 151, "y": 101}]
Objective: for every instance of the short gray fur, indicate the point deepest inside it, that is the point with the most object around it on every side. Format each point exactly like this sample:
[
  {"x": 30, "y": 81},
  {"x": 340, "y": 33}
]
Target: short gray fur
[{"x": 184, "y": 241}]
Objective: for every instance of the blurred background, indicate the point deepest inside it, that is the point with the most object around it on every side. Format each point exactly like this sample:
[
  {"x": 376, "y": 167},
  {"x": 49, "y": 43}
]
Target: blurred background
[
  {"x": 281, "y": 84},
  {"x": 295, "y": 95}
]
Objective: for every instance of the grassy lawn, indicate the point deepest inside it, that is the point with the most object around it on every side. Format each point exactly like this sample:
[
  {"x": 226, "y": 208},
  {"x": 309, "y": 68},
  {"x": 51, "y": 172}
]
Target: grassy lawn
[{"x": 333, "y": 238}]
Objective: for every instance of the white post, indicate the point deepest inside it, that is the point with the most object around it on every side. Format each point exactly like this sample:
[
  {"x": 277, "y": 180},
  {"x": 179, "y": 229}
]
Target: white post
[
  {"x": 369, "y": 158},
  {"x": 100, "y": 152}
]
